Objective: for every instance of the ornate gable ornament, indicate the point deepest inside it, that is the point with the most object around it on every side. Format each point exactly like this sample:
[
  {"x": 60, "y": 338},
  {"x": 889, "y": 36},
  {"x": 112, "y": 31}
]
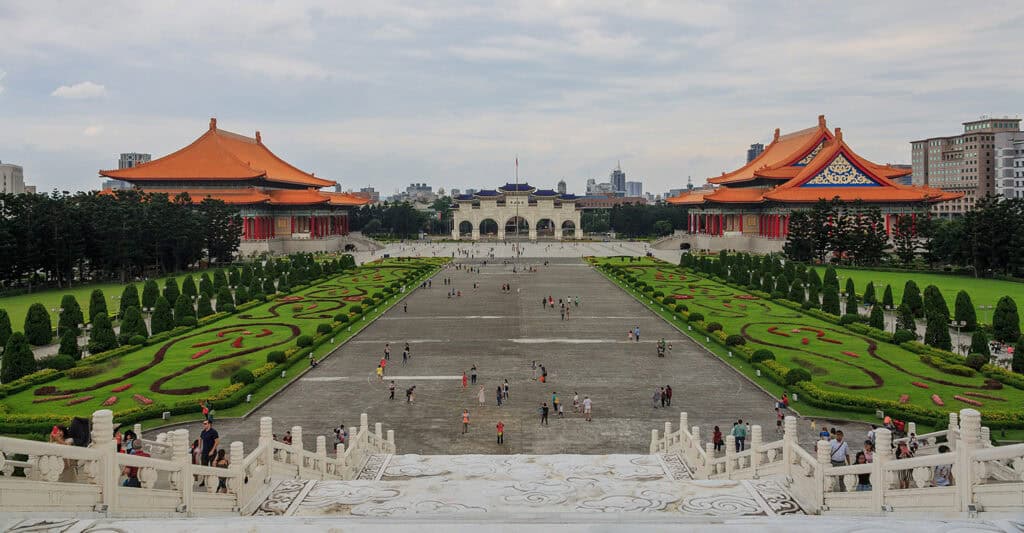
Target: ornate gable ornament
[{"x": 840, "y": 172}]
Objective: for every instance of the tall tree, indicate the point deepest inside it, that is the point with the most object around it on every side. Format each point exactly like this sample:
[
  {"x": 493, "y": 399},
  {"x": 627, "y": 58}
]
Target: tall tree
[
  {"x": 69, "y": 344},
  {"x": 934, "y": 302},
  {"x": 800, "y": 245},
  {"x": 204, "y": 307},
  {"x": 225, "y": 302},
  {"x": 904, "y": 239},
  {"x": 129, "y": 298},
  {"x": 877, "y": 318},
  {"x": 830, "y": 300},
  {"x": 97, "y": 303},
  {"x": 18, "y": 360},
  {"x": 150, "y": 292},
  {"x": 869, "y": 293},
  {"x": 162, "y": 319},
  {"x": 979, "y": 344},
  {"x": 219, "y": 279},
  {"x": 184, "y": 313},
  {"x": 38, "y": 328},
  {"x": 887, "y": 299},
  {"x": 70, "y": 315},
  {"x": 1006, "y": 321},
  {"x": 171, "y": 291},
  {"x": 905, "y": 318},
  {"x": 5, "y": 327},
  {"x": 912, "y": 298},
  {"x": 132, "y": 325},
  {"x": 831, "y": 278},
  {"x": 101, "y": 336},
  {"x": 851, "y": 303},
  {"x": 936, "y": 333},
  {"x": 964, "y": 311},
  {"x": 188, "y": 287}
]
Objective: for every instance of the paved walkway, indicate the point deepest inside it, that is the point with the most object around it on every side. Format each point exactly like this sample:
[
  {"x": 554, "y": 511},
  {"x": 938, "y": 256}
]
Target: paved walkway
[{"x": 501, "y": 334}]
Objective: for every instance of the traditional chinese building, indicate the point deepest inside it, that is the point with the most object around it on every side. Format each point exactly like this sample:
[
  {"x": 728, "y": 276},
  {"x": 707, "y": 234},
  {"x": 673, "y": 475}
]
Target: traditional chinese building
[
  {"x": 516, "y": 211},
  {"x": 282, "y": 208},
  {"x": 749, "y": 208}
]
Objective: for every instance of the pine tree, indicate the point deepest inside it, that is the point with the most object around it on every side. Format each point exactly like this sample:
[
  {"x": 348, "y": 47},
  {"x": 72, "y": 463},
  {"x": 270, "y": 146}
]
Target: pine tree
[
  {"x": 1017, "y": 363},
  {"x": 70, "y": 315},
  {"x": 131, "y": 325},
  {"x": 150, "y": 292},
  {"x": 964, "y": 311},
  {"x": 129, "y": 298},
  {"x": 934, "y": 302},
  {"x": 171, "y": 291},
  {"x": 813, "y": 296},
  {"x": 887, "y": 300},
  {"x": 979, "y": 343},
  {"x": 830, "y": 300},
  {"x": 851, "y": 303},
  {"x": 247, "y": 277},
  {"x": 283, "y": 284},
  {"x": 936, "y": 333},
  {"x": 97, "y": 303},
  {"x": 224, "y": 300},
  {"x": 796, "y": 292},
  {"x": 5, "y": 327},
  {"x": 205, "y": 309},
  {"x": 241, "y": 295},
  {"x": 905, "y": 319},
  {"x": 1006, "y": 321},
  {"x": 219, "y": 279},
  {"x": 234, "y": 277},
  {"x": 188, "y": 287},
  {"x": 877, "y": 319},
  {"x": 268, "y": 287},
  {"x": 205, "y": 285},
  {"x": 184, "y": 313},
  {"x": 69, "y": 344},
  {"x": 38, "y": 328},
  {"x": 850, "y": 288},
  {"x": 101, "y": 336},
  {"x": 912, "y": 298},
  {"x": 813, "y": 279},
  {"x": 18, "y": 360},
  {"x": 162, "y": 319},
  {"x": 869, "y": 293},
  {"x": 831, "y": 278}
]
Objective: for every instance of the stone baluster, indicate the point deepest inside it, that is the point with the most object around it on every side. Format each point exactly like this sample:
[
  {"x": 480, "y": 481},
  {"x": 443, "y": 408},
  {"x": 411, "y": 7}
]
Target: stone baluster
[
  {"x": 378, "y": 431},
  {"x": 266, "y": 440},
  {"x": 237, "y": 478},
  {"x": 963, "y": 471},
  {"x": 879, "y": 479},
  {"x": 755, "y": 449},
  {"x": 789, "y": 439},
  {"x": 911, "y": 428},
  {"x": 821, "y": 483},
  {"x": 364, "y": 423},
  {"x": 703, "y": 470},
  {"x": 654, "y": 441},
  {"x": 695, "y": 437},
  {"x": 668, "y": 435},
  {"x": 954, "y": 431},
  {"x": 184, "y": 481},
  {"x": 391, "y": 441},
  {"x": 339, "y": 456},
  {"x": 730, "y": 452},
  {"x": 297, "y": 448},
  {"x": 109, "y": 474},
  {"x": 321, "y": 455},
  {"x": 986, "y": 437},
  {"x": 137, "y": 428}
]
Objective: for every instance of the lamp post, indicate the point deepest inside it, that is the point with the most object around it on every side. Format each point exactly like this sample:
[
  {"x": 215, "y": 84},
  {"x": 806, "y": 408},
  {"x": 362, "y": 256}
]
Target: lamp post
[
  {"x": 888, "y": 308},
  {"x": 958, "y": 324}
]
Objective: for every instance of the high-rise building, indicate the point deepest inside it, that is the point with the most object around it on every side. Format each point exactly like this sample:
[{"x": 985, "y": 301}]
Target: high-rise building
[
  {"x": 561, "y": 187},
  {"x": 634, "y": 188},
  {"x": 754, "y": 151},
  {"x": 1010, "y": 164},
  {"x": 371, "y": 193},
  {"x": 618, "y": 180},
  {"x": 133, "y": 159},
  {"x": 12, "y": 179},
  {"x": 962, "y": 163}
]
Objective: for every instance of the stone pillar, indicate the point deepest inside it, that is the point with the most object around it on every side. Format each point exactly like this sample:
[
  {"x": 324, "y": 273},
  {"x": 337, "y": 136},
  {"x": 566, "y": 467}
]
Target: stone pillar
[
  {"x": 364, "y": 423},
  {"x": 297, "y": 447},
  {"x": 577, "y": 232},
  {"x": 137, "y": 428},
  {"x": 683, "y": 420},
  {"x": 391, "y": 441},
  {"x": 911, "y": 428},
  {"x": 882, "y": 455},
  {"x": 986, "y": 437},
  {"x": 755, "y": 448},
  {"x": 533, "y": 232},
  {"x": 668, "y": 434},
  {"x": 321, "y": 455},
  {"x": 695, "y": 434},
  {"x": 501, "y": 232},
  {"x": 109, "y": 474},
  {"x": 266, "y": 438},
  {"x": 823, "y": 456},
  {"x": 789, "y": 439},
  {"x": 455, "y": 229},
  {"x": 378, "y": 431},
  {"x": 952, "y": 437},
  {"x": 654, "y": 441},
  {"x": 963, "y": 473},
  {"x": 236, "y": 458},
  {"x": 179, "y": 454},
  {"x": 730, "y": 452}
]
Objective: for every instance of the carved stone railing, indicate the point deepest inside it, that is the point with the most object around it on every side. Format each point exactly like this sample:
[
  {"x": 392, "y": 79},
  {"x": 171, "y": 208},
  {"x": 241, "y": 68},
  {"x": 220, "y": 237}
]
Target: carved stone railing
[
  {"x": 47, "y": 477},
  {"x": 984, "y": 477}
]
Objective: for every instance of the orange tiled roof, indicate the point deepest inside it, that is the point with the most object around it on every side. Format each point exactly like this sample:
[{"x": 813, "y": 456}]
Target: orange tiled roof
[
  {"x": 241, "y": 196},
  {"x": 689, "y": 198},
  {"x": 297, "y": 197},
  {"x": 784, "y": 150},
  {"x": 341, "y": 198},
  {"x": 220, "y": 155},
  {"x": 736, "y": 195}
]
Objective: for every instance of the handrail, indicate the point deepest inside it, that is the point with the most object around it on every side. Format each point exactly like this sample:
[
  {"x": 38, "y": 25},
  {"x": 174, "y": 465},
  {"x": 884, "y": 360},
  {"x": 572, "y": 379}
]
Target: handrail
[
  {"x": 1011, "y": 451},
  {"x": 917, "y": 462}
]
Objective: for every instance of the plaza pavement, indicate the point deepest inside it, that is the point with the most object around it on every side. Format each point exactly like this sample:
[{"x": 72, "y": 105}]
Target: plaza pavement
[{"x": 501, "y": 334}]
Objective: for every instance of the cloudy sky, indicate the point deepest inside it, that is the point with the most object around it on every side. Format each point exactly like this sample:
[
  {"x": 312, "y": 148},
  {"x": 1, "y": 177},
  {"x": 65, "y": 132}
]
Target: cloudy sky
[{"x": 385, "y": 93}]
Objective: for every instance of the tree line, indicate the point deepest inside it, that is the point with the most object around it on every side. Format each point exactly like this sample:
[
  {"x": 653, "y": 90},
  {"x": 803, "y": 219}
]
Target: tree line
[{"x": 61, "y": 238}]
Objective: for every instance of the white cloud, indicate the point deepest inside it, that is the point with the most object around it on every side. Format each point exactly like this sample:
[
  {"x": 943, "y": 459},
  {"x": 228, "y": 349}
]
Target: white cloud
[
  {"x": 2, "y": 76},
  {"x": 80, "y": 91},
  {"x": 276, "y": 67},
  {"x": 92, "y": 130}
]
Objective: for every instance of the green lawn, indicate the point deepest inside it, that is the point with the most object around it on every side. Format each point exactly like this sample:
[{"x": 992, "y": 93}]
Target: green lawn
[
  {"x": 838, "y": 360},
  {"x": 17, "y": 306},
  {"x": 982, "y": 291},
  {"x": 196, "y": 364}
]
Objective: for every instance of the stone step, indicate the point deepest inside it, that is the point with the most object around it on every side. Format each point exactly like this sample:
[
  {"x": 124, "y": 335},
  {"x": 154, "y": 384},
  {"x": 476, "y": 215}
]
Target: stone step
[{"x": 518, "y": 485}]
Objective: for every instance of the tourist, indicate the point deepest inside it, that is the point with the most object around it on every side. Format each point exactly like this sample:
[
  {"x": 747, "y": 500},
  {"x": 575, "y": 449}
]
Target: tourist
[
  {"x": 472, "y": 374},
  {"x": 222, "y": 462},
  {"x": 480, "y": 395},
  {"x": 391, "y": 390},
  {"x": 717, "y": 439},
  {"x": 778, "y": 420},
  {"x": 380, "y": 373},
  {"x": 506, "y": 390},
  {"x": 869, "y": 451},
  {"x": 387, "y": 351},
  {"x": 656, "y": 397},
  {"x": 636, "y": 333},
  {"x": 499, "y": 395},
  {"x": 405, "y": 306},
  {"x": 543, "y": 374},
  {"x": 561, "y": 410},
  {"x": 903, "y": 452},
  {"x": 465, "y": 380},
  {"x": 785, "y": 401},
  {"x": 205, "y": 407},
  {"x": 740, "y": 432},
  {"x": 942, "y": 476},
  {"x": 408, "y": 394},
  {"x": 839, "y": 455},
  {"x": 312, "y": 361},
  {"x": 196, "y": 450},
  {"x": 863, "y": 480},
  {"x": 577, "y": 301},
  {"x": 576, "y": 402},
  {"x": 668, "y": 396},
  {"x": 405, "y": 356},
  {"x": 501, "y": 432},
  {"x": 587, "y": 405},
  {"x": 629, "y": 335},
  {"x": 407, "y": 350},
  {"x": 871, "y": 433},
  {"x": 913, "y": 442},
  {"x": 465, "y": 421},
  {"x": 544, "y": 413},
  {"x": 287, "y": 439},
  {"x": 562, "y": 312}
]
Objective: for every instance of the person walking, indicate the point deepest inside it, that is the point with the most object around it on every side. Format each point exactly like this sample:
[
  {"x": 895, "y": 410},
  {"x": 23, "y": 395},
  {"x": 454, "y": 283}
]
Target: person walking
[
  {"x": 472, "y": 374},
  {"x": 655, "y": 398},
  {"x": 405, "y": 307},
  {"x": 576, "y": 402},
  {"x": 717, "y": 439},
  {"x": 501, "y": 432},
  {"x": 480, "y": 395},
  {"x": 663, "y": 397},
  {"x": 380, "y": 373},
  {"x": 499, "y": 395},
  {"x": 840, "y": 456},
  {"x": 506, "y": 390},
  {"x": 740, "y": 432},
  {"x": 544, "y": 414},
  {"x": 668, "y": 395},
  {"x": 209, "y": 441},
  {"x": 465, "y": 421},
  {"x": 387, "y": 351},
  {"x": 391, "y": 389},
  {"x": 465, "y": 380},
  {"x": 587, "y": 405},
  {"x": 405, "y": 356},
  {"x": 543, "y": 374}
]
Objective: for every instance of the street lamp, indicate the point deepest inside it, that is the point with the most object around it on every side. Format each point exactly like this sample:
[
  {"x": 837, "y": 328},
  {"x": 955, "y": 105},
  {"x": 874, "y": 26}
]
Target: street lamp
[
  {"x": 888, "y": 309},
  {"x": 958, "y": 324}
]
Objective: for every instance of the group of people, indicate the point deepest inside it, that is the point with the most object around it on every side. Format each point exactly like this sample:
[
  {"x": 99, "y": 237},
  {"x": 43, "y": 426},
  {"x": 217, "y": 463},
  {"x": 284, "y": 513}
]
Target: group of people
[
  {"x": 662, "y": 395},
  {"x": 584, "y": 407},
  {"x": 839, "y": 450}
]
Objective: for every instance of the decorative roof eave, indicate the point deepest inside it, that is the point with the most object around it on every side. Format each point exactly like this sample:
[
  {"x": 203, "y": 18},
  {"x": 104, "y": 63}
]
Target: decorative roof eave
[
  {"x": 516, "y": 187},
  {"x": 784, "y": 150},
  {"x": 825, "y": 157}
]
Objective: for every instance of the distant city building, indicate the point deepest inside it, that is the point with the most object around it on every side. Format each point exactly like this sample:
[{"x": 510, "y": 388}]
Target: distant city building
[
  {"x": 371, "y": 194},
  {"x": 607, "y": 201},
  {"x": 12, "y": 178},
  {"x": 754, "y": 151},
  {"x": 561, "y": 187},
  {"x": 618, "y": 180},
  {"x": 1009, "y": 172},
  {"x": 962, "y": 163},
  {"x": 133, "y": 159},
  {"x": 30, "y": 189},
  {"x": 634, "y": 188},
  {"x": 416, "y": 192},
  {"x": 454, "y": 192}
]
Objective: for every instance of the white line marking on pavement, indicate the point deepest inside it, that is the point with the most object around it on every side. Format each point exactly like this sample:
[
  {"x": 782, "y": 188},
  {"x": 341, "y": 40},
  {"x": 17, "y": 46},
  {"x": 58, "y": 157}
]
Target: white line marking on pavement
[
  {"x": 577, "y": 341},
  {"x": 326, "y": 378},
  {"x": 423, "y": 378}
]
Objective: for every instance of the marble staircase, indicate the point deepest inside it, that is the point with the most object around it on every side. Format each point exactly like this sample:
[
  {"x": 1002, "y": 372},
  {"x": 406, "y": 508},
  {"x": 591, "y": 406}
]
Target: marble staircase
[{"x": 500, "y": 487}]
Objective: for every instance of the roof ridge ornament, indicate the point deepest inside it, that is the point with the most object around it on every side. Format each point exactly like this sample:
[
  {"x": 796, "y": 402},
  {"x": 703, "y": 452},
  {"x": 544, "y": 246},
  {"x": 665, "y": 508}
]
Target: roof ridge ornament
[
  {"x": 839, "y": 135},
  {"x": 259, "y": 140},
  {"x": 213, "y": 123},
  {"x": 776, "y": 135},
  {"x": 821, "y": 121}
]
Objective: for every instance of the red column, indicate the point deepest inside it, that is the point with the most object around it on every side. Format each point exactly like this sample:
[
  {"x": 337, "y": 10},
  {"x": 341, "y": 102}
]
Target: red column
[
  {"x": 256, "y": 228},
  {"x": 293, "y": 223},
  {"x": 913, "y": 223},
  {"x": 741, "y": 222},
  {"x": 785, "y": 227},
  {"x": 888, "y": 227},
  {"x": 721, "y": 224}
]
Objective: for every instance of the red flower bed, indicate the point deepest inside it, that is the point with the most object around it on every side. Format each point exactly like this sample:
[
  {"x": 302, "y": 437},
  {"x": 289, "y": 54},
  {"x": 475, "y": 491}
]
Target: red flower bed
[
  {"x": 816, "y": 331},
  {"x": 201, "y": 353},
  {"x": 223, "y": 332},
  {"x": 45, "y": 391},
  {"x": 109, "y": 401},
  {"x": 851, "y": 354},
  {"x": 53, "y": 398},
  {"x": 142, "y": 399},
  {"x": 937, "y": 401},
  {"x": 919, "y": 384},
  {"x": 975, "y": 403},
  {"x": 352, "y": 298},
  {"x": 774, "y": 330},
  {"x": 80, "y": 399},
  {"x": 121, "y": 388},
  {"x": 904, "y": 398},
  {"x": 746, "y": 297},
  {"x": 986, "y": 396},
  {"x": 290, "y": 298},
  {"x": 831, "y": 341},
  {"x": 264, "y": 333},
  {"x": 683, "y": 297},
  {"x": 237, "y": 343},
  {"x": 804, "y": 340},
  {"x": 727, "y": 305},
  {"x": 313, "y": 306}
]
